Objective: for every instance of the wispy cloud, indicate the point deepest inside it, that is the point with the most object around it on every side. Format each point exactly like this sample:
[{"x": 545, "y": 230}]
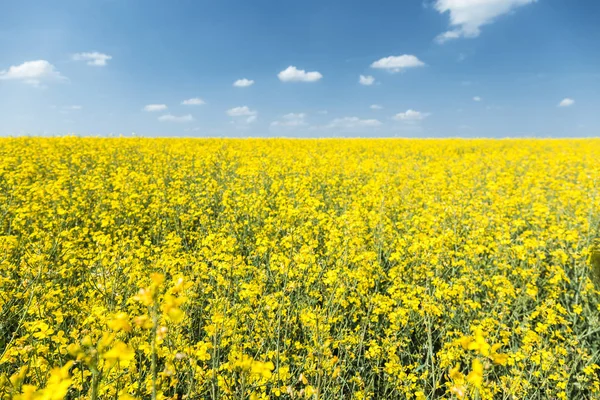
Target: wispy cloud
[
  {"x": 155, "y": 107},
  {"x": 241, "y": 112},
  {"x": 568, "y": 102},
  {"x": 196, "y": 101},
  {"x": 94, "y": 59},
  {"x": 353, "y": 123},
  {"x": 291, "y": 120},
  {"x": 175, "y": 118},
  {"x": 411, "y": 116},
  {"x": 366, "y": 80}
]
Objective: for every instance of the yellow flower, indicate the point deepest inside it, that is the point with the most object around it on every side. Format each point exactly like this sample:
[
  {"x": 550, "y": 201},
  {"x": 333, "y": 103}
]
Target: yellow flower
[
  {"x": 43, "y": 330},
  {"x": 171, "y": 308},
  {"x": 121, "y": 353},
  {"x": 455, "y": 373},
  {"x": 498, "y": 358},
  {"x": 475, "y": 377},
  {"x": 263, "y": 369},
  {"x": 479, "y": 344},
  {"x": 309, "y": 392},
  {"x": 57, "y": 386},
  {"x": 157, "y": 278},
  {"x": 143, "y": 321},
  {"x": 145, "y": 296},
  {"x": 120, "y": 322}
]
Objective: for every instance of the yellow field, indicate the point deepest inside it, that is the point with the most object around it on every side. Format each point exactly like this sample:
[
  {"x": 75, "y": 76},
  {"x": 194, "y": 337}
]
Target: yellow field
[{"x": 333, "y": 269}]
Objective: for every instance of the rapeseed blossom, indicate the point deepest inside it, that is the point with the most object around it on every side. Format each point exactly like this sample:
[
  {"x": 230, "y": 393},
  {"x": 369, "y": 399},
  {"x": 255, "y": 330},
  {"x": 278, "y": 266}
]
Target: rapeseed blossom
[{"x": 263, "y": 269}]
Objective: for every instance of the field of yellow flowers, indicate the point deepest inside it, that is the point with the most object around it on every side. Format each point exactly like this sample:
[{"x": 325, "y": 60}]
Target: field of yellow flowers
[{"x": 299, "y": 269}]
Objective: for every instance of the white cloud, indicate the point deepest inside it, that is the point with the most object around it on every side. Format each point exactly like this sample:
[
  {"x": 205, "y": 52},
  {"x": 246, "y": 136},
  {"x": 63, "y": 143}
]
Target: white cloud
[
  {"x": 468, "y": 16},
  {"x": 398, "y": 63},
  {"x": 366, "y": 80},
  {"x": 243, "y": 82},
  {"x": 566, "y": 102},
  {"x": 32, "y": 72},
  {"x": 155, "y": 107},
  {"x": 353, "y": 123},
  {"x": 243, "y": 111},
  {"x": 94, "y": 58},
  {"x": 323, "y": 112},
  {"x": 291, "y": 120},
  {"x": 375, "y": 107},
  {"x": 476, "y": 98},
  {"x": 448, "y": 35},
  {"x": 75, "y": 107},
  {"x": 293, "y": 74},
  {"x": 175, "y": 118},
  {"x": 196, "y": 101},
  {"x": 251, "y": 119},
  {"x": 411, "y": 116}
]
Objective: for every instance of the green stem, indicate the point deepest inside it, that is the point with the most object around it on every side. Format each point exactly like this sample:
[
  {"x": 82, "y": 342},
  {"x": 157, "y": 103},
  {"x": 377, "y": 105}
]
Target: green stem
[
  {"x": 95, "y": 384},
  {"x": 153, "y": 344}
]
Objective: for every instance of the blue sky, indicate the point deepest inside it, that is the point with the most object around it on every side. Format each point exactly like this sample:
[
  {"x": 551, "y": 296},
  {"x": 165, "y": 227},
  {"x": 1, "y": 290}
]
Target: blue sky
[{"x": 431, "y": 68}]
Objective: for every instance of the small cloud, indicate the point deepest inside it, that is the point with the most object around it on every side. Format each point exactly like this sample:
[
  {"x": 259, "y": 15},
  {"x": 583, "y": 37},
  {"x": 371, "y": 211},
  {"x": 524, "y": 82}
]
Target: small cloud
[
  {"x": 196, "y": 101},
  {"x": 476, "y": 98},
  {"x": 243, "y": 111},
  {"x": 94, "y": 59},
  {"x": 293, "y": 74},
  {"x": 567, "y": 102},
  {"x": 323, "y": 112},
  {"x": 251, "y": 119},
  {"x": 155, "y": 107},
  {"x": 468, "y": 16},
  {"x": 398, "y": 63},
  {"x": 449, "y": 35},
  {"x": 243, "y": 82},
  {"x": 411, "y": 116},
  {"x": 32, "y": 73},
  {"x": 375, "y": 107},
  {"x": 353, "y": 123},
  {"x": 291, "y": 120},
  {"x": 366, "y": 80},
  {"x": 175, "y": 118}
]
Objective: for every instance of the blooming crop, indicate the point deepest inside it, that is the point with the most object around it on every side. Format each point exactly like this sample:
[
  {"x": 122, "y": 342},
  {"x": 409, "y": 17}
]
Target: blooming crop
[{"x": 262, "y": 269}]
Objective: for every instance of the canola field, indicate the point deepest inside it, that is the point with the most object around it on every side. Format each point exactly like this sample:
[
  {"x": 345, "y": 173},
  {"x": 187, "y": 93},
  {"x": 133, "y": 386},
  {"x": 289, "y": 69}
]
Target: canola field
[{"x": 299, "y": 269}]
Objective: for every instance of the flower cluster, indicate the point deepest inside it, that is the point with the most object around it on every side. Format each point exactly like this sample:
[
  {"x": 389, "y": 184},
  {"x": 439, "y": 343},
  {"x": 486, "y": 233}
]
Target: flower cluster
[{"x": 263, "y": 269}]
